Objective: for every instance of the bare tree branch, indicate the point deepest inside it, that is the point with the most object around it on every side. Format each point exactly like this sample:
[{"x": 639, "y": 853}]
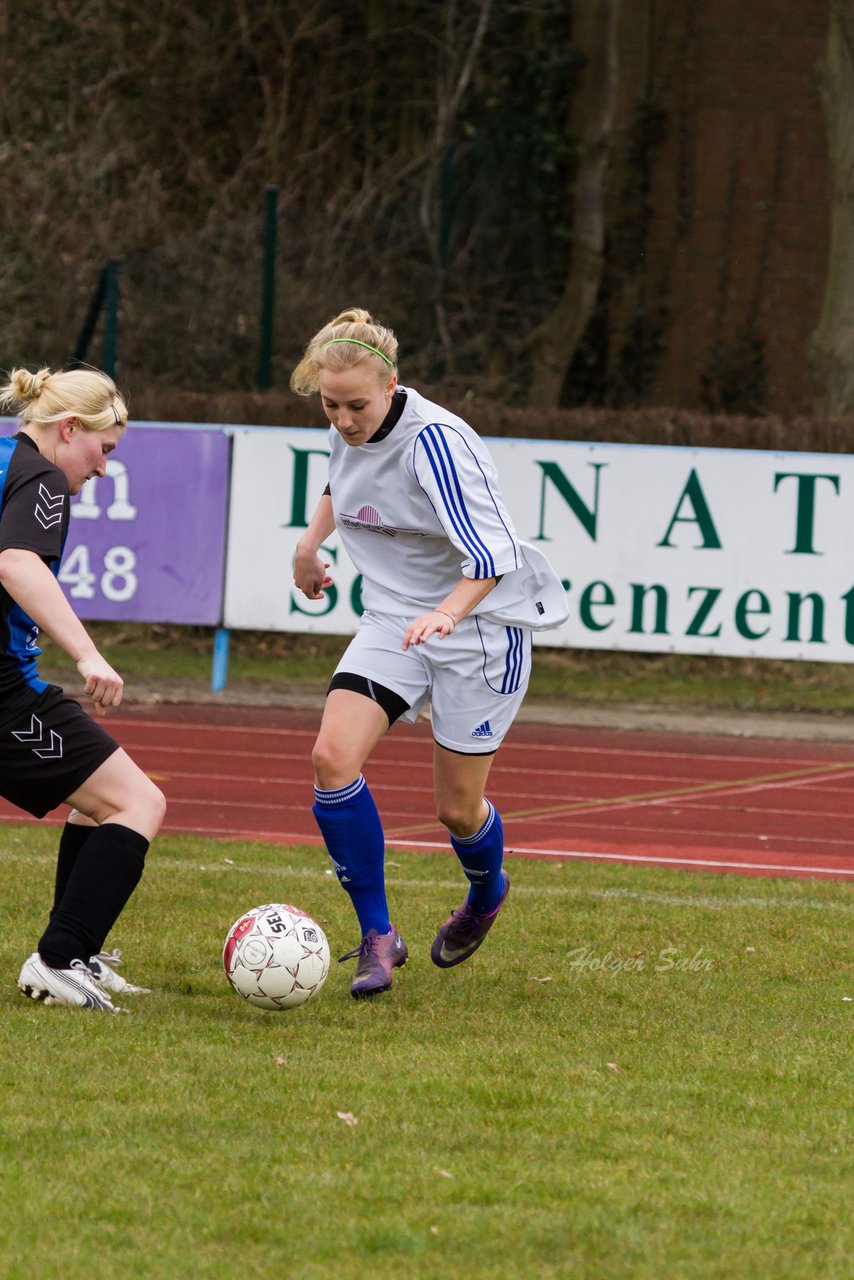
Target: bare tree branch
[
  {"x": 555, "y": 341},
  {"x": 831, "y": 351}
]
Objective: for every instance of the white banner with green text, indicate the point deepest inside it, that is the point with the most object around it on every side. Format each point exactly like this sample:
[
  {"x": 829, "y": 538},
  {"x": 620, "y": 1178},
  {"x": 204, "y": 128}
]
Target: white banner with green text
[{"x": 712, "y": 551}]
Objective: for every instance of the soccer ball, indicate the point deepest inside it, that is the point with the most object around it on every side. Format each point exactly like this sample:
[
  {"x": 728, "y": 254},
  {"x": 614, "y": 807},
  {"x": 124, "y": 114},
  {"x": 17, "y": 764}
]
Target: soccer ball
[{"x": 276, "y": 956}]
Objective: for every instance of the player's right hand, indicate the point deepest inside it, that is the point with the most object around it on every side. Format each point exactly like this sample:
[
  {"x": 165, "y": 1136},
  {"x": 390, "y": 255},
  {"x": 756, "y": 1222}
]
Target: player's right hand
[
  {"x": 310, "y": 574},
  {"x": 103, "y": 685}
]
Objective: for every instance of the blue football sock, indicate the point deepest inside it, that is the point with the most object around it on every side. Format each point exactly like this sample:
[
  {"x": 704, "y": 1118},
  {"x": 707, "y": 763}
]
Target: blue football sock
[
  {"x": 351, "y": 828},
  {"x": 481, "y": 856}
]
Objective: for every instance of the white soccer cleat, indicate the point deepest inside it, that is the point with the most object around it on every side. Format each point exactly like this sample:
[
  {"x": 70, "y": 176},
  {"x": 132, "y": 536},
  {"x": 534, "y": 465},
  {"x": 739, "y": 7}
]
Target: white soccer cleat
[
  {"x": 103, "y": 966},
  {"x": 75, "y": 987}
]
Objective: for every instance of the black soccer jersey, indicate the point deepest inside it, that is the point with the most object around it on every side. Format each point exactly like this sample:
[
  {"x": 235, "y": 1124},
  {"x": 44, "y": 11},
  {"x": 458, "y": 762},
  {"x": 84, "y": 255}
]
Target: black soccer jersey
[{"x": 34, "y": 515}]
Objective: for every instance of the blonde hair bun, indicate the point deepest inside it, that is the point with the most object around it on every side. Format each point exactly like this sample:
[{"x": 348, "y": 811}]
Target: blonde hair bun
[
  {"x": 25, "y": 386},
  {"x": 44, "y": 397},
  {"x": 351, "y": 339}
]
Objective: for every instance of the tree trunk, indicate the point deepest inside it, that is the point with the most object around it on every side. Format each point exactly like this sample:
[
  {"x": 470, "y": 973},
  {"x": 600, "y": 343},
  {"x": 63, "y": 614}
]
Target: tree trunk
[
  {"x": 831, "y": 353},
  {"x": 459, "y": 60},
  {"x": 556, "y": 340}
]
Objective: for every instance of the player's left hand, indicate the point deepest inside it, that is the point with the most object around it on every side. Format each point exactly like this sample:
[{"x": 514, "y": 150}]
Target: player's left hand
[{"x": 427, "y": 625}]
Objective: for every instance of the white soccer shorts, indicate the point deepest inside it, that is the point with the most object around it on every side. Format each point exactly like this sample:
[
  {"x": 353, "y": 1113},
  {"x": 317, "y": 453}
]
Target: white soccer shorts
[{"x": 475, "y": 678}]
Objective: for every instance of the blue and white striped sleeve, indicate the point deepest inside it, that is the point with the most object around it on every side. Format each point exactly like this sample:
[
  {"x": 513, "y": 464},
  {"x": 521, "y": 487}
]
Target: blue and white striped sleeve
[{"x": 459, "y": 478}]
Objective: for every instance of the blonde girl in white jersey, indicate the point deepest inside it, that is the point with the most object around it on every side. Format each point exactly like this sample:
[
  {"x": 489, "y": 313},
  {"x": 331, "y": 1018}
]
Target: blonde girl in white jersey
[{"x": 451, "y": 598}]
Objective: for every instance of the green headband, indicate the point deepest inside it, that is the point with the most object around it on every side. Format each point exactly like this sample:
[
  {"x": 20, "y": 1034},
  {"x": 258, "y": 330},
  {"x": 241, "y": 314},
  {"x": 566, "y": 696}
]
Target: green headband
[{"x": 359, "y": 343}]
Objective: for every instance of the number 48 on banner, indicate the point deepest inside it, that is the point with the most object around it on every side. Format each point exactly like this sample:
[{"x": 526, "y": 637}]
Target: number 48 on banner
[{"x": 117, "y": 578}]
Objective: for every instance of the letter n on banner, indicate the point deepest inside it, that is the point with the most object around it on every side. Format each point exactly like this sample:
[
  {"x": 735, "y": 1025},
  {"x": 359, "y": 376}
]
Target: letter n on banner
[{"x": 586, "y": 516}]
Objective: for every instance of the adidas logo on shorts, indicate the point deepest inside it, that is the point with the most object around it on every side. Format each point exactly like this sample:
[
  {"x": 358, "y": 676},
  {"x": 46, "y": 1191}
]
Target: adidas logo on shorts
[{"x": 482, "y": 731}]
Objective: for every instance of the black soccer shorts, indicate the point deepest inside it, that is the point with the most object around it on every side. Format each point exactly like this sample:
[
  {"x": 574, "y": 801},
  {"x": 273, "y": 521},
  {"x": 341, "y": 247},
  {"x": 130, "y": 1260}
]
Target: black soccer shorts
[{"x": 48, "y": 750}]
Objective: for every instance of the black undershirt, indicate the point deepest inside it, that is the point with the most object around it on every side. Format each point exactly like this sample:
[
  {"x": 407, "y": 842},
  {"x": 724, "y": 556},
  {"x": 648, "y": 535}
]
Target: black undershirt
[
  {"x": 390, "y": 421},
  {"x": 388, "y": 424}
]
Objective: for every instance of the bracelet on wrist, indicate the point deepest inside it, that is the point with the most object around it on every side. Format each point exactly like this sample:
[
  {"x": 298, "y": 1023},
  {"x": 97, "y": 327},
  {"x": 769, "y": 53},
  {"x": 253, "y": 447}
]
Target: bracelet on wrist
[{"x": 445, "y": 614}]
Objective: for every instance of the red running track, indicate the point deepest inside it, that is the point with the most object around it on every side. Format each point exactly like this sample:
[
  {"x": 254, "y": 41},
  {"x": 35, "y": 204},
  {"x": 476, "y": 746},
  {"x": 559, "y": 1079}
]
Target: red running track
[{"x": 756, "y": 806}]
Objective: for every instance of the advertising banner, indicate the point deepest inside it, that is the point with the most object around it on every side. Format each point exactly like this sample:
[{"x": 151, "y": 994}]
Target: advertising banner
[
  {"x": 660, "y": 549},
  {"x": 147, "y": 540}
]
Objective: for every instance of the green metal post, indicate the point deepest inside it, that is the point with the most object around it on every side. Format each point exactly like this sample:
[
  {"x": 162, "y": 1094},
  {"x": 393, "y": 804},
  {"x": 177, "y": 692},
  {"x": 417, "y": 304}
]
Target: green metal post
[
  {"x": 90, "y": 320},
  {"x": 268, "y": 289},
  {"x": 111, "y": 316}
]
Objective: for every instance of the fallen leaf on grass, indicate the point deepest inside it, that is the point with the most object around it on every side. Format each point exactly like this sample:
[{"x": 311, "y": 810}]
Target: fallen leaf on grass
[
  {"x": 347, "y": 1117},
  {"x": 612, "y": 1066},
  {"x": 531, "y": 978},
  {"x": 281, "y": 1062},
  {"x": 434, "y": 1231},
  {"x": 443, "y": 1173},
  {"x": 230, "y": 862}
]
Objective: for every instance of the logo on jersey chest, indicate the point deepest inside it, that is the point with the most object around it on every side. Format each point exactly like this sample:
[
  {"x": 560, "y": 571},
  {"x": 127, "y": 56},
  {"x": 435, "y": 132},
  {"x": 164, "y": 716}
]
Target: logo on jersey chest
[{"x": 369, "y": 519}]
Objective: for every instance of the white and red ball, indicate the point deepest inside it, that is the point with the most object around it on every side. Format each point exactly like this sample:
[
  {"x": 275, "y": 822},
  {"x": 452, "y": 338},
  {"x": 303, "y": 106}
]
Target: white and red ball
[{"x": 276, "y": 957}]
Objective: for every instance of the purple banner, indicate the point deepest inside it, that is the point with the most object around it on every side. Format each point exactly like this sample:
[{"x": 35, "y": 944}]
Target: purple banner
[{"x": 147, "y": 541}]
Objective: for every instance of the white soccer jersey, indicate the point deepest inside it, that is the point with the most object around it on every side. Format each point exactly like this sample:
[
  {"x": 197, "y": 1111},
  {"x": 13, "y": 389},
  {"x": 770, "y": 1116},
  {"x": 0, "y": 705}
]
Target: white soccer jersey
[{"x": 421, "y": 508}]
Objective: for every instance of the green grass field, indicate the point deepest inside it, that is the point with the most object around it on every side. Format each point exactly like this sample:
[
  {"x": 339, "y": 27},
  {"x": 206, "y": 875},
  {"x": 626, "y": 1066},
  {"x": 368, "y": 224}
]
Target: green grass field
[{"x": 642, "y": 1074}]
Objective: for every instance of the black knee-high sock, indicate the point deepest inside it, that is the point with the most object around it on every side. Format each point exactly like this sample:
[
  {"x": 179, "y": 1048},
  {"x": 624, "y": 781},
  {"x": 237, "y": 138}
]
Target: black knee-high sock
[
  {"x": 72, "y": 840},
  {"x": 107, "y": 870}
]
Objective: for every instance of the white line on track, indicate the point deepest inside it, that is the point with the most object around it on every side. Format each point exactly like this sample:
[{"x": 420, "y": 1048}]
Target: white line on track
[
  {"x": 160, "y": 755},
  {"x": 705, "y": 901},
  {"x": 676, "y": 799},
  {"x": 380, "y": 785},
  {"x": 670, "y": 834},
  {"x": 701, "y": 804},
  {"x": 569, "y": 854},
  {"x": 645, "y": 753},
  {"x": 400, "y": 842},
  {"x": 383, "y": 761}
]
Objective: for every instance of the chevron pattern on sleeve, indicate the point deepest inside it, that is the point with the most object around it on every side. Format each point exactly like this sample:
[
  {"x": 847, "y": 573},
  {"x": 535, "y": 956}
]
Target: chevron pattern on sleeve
[{"x": 49, "y": 507}]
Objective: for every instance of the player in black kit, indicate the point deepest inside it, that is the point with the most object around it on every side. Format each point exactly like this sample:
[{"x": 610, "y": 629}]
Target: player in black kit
[{"x": 51, "y": 750}]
